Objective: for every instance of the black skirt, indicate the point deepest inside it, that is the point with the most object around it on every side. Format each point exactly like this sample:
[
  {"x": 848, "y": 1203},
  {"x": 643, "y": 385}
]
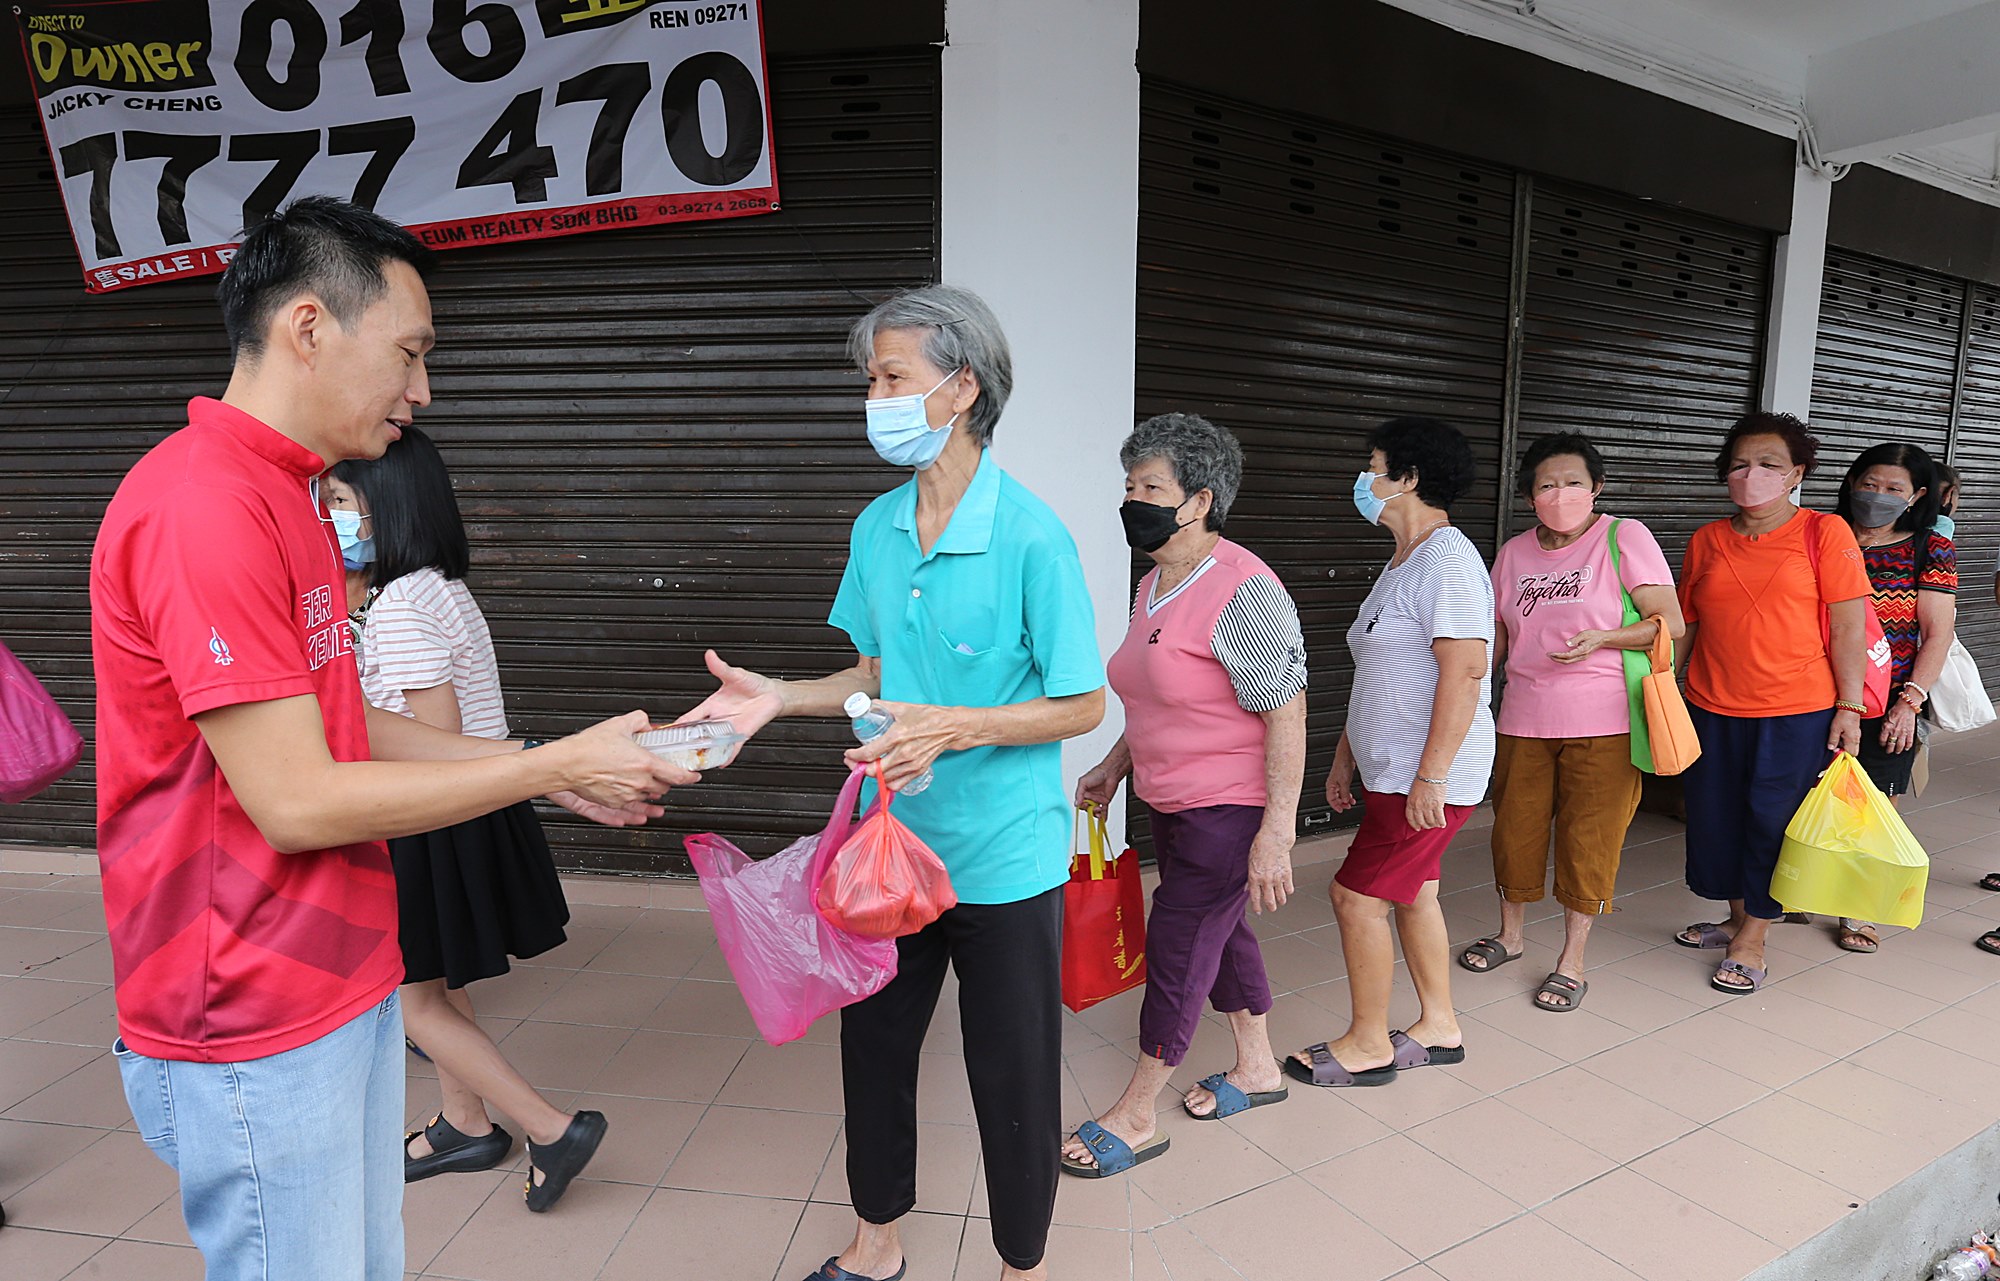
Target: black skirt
[{"x": 471, "y": 895}]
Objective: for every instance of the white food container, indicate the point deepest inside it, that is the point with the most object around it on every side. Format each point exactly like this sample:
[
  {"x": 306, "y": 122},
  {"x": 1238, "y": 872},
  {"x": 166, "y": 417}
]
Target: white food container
[{"x": 699, "y": 745}]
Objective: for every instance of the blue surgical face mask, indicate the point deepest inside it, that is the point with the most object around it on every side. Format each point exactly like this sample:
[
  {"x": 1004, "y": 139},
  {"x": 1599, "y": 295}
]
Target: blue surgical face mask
[
  {"x": 1946, "y": 526},
  {"x": 356, "y": 552},
  {"x": 901, "y": 431},
  {"x": 1365, "y": 500}
]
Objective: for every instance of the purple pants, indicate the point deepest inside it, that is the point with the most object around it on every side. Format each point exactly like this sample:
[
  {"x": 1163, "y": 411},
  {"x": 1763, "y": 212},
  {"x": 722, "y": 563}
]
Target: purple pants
[{"x": 1197, "y": 942}]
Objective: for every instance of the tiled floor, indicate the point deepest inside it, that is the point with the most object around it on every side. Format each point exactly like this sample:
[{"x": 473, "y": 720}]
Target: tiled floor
[{"x": 1660, "y": 1124}]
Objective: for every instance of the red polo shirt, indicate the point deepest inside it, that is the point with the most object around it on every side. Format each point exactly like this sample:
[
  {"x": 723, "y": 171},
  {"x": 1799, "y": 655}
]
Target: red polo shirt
[{"x": 216, "y": 582}]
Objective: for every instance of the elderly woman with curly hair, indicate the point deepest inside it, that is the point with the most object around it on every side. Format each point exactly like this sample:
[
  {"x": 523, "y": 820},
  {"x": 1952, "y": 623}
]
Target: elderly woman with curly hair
[
  {"x": 1420, "y": 734},
  {"x": 1213, "y": 677}
]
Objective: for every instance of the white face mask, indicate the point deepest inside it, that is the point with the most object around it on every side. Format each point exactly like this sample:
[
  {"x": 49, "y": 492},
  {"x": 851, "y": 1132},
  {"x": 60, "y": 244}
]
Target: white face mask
[{"x": 901, "y": 431}]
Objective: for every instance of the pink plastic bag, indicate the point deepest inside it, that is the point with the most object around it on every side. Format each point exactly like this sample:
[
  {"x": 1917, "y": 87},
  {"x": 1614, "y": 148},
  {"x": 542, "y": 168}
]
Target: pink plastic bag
[
  {"x": 791, "y": 964},
  {"x": 38, "y": 745}
]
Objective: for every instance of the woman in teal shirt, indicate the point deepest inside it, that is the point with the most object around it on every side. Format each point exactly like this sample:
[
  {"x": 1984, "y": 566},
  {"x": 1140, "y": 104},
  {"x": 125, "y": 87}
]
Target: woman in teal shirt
[{"x": 967, "y": 608}]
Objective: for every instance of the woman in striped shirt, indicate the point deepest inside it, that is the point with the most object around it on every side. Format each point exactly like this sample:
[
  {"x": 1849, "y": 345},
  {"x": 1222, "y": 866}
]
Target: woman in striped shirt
[{"x": 474, "y": 894}]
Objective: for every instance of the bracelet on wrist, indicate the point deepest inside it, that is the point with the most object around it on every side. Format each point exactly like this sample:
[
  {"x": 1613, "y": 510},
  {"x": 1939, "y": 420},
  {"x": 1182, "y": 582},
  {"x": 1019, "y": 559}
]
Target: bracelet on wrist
[
  {"x": 1912, "y": 685},
  {"x": 1434, "y": 782},
  {"x": 1846, "y": 706}
]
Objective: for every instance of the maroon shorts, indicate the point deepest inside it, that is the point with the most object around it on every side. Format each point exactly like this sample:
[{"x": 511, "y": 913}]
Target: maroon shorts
[{"x": 1390, "y": 859}]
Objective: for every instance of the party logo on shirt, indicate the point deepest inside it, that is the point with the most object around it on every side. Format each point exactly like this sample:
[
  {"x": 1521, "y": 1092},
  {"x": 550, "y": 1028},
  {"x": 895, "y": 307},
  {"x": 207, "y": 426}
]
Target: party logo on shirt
[
  {"x": 220, "y": 648},
  {"x": 1560, "y": 588}
]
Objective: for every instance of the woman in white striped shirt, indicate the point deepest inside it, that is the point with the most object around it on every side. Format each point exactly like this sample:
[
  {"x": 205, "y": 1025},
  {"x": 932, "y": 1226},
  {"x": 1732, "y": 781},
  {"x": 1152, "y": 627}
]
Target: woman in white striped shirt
[{"x": 471, "y": 895}]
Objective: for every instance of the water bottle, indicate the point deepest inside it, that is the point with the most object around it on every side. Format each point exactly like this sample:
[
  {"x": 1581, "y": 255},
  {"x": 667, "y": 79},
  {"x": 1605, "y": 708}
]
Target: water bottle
[
  {"x": 1967, "y": 1263},
  {"x": 870, "y": 723}
]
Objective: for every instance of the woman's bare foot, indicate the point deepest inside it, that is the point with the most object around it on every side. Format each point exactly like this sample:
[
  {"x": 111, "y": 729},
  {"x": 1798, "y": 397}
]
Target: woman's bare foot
[
  {"x": 1133, "y": 1130},
  {"x": 1251, "y": 1080},
  {"x": 1352, "y": 1053},
  {"x": 1444, "y": 1033}
]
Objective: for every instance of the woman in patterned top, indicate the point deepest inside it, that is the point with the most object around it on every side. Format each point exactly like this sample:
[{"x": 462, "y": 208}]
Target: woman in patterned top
[{"x": 1890, "y": 500}]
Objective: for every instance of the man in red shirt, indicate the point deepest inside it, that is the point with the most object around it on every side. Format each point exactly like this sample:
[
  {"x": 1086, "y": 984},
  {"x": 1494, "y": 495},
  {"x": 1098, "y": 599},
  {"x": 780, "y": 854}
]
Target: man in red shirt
[{"x": 245, "y": 788}]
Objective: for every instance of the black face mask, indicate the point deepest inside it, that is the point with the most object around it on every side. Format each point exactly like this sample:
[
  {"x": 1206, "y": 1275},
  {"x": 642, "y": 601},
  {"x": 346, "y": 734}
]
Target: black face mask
[{"x": 1148, "y": 526}]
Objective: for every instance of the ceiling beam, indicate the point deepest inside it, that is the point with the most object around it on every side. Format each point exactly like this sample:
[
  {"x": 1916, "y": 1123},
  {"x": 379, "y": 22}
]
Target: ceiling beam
[{"x": 1926, "y": 83}]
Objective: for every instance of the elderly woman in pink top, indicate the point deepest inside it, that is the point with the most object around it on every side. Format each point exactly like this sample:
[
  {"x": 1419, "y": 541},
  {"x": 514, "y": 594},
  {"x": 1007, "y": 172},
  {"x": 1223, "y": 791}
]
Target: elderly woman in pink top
[
  {"x": 1212, "y": 674},
  {"x": 1565, "y": 758}
]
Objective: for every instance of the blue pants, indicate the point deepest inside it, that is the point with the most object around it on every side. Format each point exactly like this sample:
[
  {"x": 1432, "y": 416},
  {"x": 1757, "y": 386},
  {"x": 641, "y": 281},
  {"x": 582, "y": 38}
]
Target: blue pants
[
  {"x": 1741, "y": 792},
  {"x": 291, "y": 1166}
]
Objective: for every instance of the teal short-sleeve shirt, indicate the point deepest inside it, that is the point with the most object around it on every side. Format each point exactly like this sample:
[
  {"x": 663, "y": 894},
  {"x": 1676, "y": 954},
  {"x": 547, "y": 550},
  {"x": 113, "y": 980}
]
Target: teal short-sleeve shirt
[{"x": 996, "y": 614}]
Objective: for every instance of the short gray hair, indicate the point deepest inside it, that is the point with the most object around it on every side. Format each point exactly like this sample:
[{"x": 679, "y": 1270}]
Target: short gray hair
[
  {"x": 1202, "y": 454},
  {"x": 960, "y": 332}
]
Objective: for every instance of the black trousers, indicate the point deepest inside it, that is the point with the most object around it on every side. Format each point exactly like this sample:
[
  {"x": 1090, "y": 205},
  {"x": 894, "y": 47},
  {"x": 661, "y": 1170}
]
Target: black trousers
[{"x": 1008, "y": 958}]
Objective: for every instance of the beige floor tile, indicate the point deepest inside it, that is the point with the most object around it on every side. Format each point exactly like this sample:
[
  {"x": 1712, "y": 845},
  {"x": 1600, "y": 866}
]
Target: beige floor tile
[
  {"x": 1917, "y": 1115},
  {"x": 54, "y": 909},
  {"x": 1184, "y": 1256},
  {"x": 1495, "y": 1061},
  {"x": 947, "y": 1163},
  {"x": 504, "y": 1241},
  {"x": 1635, "y": 1005},
  {"x": 517, "y": 993},
  {"x": 1598, "y": 1113},
  {"x": 561, "y": 1056},
  {"x": 1752, "y": 1189},
  {"x": 1292, "y": 963},
  {"x": 714, "y": 1009},
  {"x": 1851, "y": 1157},
  {"x": 25, "y": 950},
  {"x": 124, "y": 1260},
  {"x": 93, "y": 1095},
  {"x": 1512, "y": 1152},
  {"x": 102, "y": 1190},
  {"x": 1970, "y": 1081},
  {"x": 1412, "y": 1196},
  {"x": 753, "y": 1152},
  {"x": 1227, "y": 1165},
  {"x": 1073, "y": 1252},
  {"x": 435, "y": 1209},
  {"x": 584, "y": 943},
  {"x": 798, "y": 1077},
  {"x": 25, "y": 1002},
  {"x": 1413, "y": 1098},
  {"x": 163, "y": 1225},
  {"x": 608, "y": 1000},
  {"x": 1529, "y": 1249},
  {"x": 28, "y": 1151},
  {"x": 92, "y": 1021},
  {"x": 599, "y": 916},
  {"x": 667, "y": 955},
  {"x": 930, "y": 1242},
  {"x": 1675, "y": 1071},
  {"x": 1751, "y": 1051},
  {"x": 670, "y": 1065},
  {"x": 1572, "y": 1036},
  {"x": 1678, "y": 971},
  {"x": 1604, "y": 947},
  {"x": 1848, "y": 991},
  {"x": 1265, "y": 1233},
  {"x": 701, "y": 1234},
  {"x": 1336, "y": 998},
  {"x": 1306, "y": 1129},
  {"x": 944, "y": 1095},
  {"x": 1091, "y": 1203},
  {"x": 644, "y": 1137},
  {"x": 88, "y": 964},
  {"x": 1651, "y": 1230},
  {"x": 1807, "y": 1022},
  {"x": 28, "y": 1067},
  {"x": 34, "y": 1255}
]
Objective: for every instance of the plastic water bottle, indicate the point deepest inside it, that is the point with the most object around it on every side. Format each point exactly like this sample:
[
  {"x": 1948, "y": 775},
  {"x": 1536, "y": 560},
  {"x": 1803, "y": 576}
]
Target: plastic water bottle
[
  {"x": 870, "y": 723},
  {"x": 1967, "y": 1263}
]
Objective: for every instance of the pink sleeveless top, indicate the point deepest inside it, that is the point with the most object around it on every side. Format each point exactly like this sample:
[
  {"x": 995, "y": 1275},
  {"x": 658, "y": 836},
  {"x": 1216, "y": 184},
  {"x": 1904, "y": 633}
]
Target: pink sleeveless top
[{"x": 1192, "y": 743}]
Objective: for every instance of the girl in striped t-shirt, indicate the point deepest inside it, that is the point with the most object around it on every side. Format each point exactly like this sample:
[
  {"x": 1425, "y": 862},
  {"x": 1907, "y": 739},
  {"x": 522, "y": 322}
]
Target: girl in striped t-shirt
[{"x": 471, "y": 895}]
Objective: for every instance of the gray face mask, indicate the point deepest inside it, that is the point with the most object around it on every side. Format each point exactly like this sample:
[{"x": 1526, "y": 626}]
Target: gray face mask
[{"x": 1873, "y": 510}]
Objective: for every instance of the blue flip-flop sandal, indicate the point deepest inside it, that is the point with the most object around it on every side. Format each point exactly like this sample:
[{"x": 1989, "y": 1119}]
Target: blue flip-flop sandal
[
  {"x": 1111, "y": 1154},
  {"x": 1229, "y": 1100},
  {"x": 832, "y": 1271}
]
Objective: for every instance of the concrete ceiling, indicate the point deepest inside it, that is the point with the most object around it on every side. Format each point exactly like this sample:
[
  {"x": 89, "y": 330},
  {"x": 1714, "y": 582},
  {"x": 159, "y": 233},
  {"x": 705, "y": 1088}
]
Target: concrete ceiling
[{"x": 1815, "y": 26}]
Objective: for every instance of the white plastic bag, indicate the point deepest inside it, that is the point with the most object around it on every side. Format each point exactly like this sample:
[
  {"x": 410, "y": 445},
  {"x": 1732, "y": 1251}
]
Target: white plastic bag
[{"x": 1958, "y": 699}]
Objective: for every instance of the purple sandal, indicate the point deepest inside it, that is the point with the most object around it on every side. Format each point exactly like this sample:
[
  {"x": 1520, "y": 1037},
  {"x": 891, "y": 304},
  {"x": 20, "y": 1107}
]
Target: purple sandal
[
  {"x": 1411, "y": 1055},
  {"x": 1327, "y": 1073},
  {"x": 1708, "y": 936},
  {"x": 1756, "y": 978}
]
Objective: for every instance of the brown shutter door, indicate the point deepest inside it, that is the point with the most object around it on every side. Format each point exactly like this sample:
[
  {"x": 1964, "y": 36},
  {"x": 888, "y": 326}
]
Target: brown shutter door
[
  {"x": 1644, "y": 331},
  {"x": 1300, "y": 283},
  {"x": 655, "y": 435}
]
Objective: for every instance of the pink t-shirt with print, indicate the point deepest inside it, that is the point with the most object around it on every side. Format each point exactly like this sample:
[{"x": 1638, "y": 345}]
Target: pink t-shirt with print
[{"x": 1543, "y": 598}]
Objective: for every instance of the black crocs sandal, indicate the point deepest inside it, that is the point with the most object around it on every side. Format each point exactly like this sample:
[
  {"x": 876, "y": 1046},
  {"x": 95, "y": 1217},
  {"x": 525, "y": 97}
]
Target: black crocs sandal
[
  {"x": 563, "y": 1160},
  {"x": 453, "y": 1151}
]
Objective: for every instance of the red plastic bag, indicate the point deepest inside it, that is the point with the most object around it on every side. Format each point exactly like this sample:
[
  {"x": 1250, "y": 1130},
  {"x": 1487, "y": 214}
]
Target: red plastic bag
[
  {"x": 792, "y": 965},
  {"x": 38, "y": 745},
  {"x": 885, "y": 882},
  {"x": 1104, "y": 923}
]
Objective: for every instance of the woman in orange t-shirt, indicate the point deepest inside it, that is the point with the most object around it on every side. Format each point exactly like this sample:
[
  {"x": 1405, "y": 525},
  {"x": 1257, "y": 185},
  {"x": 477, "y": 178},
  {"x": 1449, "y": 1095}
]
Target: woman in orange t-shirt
[{"x": 1768, "y": 700}]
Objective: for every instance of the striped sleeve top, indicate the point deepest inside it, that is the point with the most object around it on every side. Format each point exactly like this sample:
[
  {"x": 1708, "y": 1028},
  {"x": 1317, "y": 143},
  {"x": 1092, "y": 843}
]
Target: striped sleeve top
[
  {"x": 425, "y": 630},
  {"x": 1258, "y": 639}
]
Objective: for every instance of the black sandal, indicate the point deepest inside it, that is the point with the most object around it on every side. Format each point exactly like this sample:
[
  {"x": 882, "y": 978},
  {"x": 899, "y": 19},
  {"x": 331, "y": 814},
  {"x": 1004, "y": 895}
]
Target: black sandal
[
  {"x": 1988, "y": 942},
  {"x": 1990, "y": 882},
  {"x": 453, "y": 1151},
  {"x": 562, "y": 1160}
]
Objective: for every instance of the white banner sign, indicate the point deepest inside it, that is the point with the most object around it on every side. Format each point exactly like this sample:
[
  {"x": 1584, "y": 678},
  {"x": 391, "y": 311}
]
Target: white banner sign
[{"x": 175, "y": 125}]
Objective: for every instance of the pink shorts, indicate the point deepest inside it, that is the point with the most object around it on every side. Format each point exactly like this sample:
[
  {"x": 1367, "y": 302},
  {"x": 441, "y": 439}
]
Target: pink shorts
[{"x": 1390, "y": 859}]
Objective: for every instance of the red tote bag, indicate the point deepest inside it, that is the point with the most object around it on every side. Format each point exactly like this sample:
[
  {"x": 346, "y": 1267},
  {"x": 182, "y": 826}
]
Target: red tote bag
[
  {"x": 1104, "y": 922},
  {"x": 1877, "y": 661}
]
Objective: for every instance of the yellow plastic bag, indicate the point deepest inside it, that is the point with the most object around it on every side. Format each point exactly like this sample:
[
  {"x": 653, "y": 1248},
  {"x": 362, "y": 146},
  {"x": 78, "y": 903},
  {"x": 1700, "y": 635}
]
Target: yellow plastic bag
[{"x": 1848, "y": 853}]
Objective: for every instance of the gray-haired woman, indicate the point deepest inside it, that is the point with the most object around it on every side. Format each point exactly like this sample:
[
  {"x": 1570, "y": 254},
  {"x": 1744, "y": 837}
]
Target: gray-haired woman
[
  {"x": 1212, "y": 675},
  {"x": 966, "y": 601}
]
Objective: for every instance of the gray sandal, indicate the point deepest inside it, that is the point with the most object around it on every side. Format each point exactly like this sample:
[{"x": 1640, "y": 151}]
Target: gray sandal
[
  {"x": 1563, "y": 988},
  {"x": 1755, "y": 977},
  {"x": 1489, "y": 950}
]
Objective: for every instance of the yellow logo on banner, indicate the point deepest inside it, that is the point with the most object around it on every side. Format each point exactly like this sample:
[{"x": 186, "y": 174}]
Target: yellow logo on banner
[{"x": 588, "y": 10}]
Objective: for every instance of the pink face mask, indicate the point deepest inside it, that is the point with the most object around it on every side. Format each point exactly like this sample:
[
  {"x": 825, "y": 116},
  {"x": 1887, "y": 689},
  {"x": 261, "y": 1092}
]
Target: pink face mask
[
  {"x": 1757, "y": 486},
  {"x": 1565, "y": 509}
]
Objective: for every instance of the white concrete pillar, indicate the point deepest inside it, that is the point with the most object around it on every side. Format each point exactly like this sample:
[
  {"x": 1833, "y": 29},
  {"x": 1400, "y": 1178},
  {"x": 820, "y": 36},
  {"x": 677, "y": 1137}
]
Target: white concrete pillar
[
  {"x": 1799, "y": 267},
  {"x": 1041, "y": 217}
]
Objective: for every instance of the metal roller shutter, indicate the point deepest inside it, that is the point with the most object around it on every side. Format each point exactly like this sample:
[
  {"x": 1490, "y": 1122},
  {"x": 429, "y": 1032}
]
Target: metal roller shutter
[
  {"x": 1300, "y": 283},
  {"x": 1976, "y": 453},
  {"x": 1886, "y": 363},
  {"x": 655, "y": 437},
  {"x": 1643, "y": 330}
]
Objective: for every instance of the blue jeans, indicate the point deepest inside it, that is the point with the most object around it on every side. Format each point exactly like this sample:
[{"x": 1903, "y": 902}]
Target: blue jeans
[{"x": 291, "y": 1166}]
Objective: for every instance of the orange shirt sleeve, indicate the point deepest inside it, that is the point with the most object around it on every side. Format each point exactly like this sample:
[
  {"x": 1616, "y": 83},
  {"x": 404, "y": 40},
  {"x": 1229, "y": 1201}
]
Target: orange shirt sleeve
[
  {"x": 1692, "y": 566},
  {"x": 1842, "y": 573}
]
